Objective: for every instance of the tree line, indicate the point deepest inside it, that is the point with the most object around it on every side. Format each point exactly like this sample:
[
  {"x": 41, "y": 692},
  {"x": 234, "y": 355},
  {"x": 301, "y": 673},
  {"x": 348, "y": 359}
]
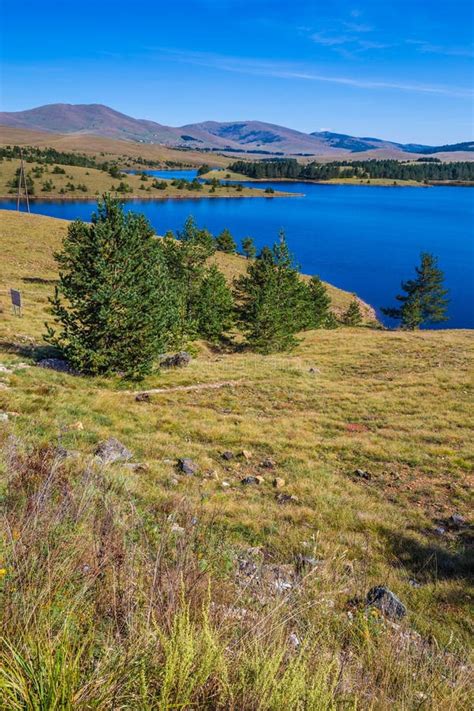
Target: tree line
[
  {"x": 428, "y": 171},
  {"x": 124, "y": 296}
]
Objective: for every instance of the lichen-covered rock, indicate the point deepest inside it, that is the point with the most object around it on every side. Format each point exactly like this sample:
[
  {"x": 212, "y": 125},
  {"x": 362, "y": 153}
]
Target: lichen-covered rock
[
  {"x": 187, "y": 466},
  {"x": 386, "y": 601},
  {"x": 111, "y": 450},
  {"x": 178, "y": 360}
]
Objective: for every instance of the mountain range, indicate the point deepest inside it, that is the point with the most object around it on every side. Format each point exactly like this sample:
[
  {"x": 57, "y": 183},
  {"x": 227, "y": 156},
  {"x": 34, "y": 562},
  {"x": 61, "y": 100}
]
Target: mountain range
[{"x": 252, "y": 137}]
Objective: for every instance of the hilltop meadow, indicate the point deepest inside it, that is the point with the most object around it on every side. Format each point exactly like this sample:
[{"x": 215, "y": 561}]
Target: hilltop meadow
[{"x": 221, "y": 557}]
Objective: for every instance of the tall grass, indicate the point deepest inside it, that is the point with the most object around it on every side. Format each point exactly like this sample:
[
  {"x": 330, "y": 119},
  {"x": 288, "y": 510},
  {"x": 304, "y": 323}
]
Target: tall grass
[{"x": 107, "y": 605}]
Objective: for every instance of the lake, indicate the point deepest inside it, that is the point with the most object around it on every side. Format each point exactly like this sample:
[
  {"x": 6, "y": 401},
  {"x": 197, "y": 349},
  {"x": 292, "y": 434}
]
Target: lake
[{"x": 362, "y": 239}]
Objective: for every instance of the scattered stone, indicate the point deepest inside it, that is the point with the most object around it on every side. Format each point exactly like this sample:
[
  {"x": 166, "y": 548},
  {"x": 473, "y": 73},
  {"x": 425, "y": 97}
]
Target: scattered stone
[
  {"x": 3, "y": 417},
  {"x": 440, "y": 531},
  {"x": 294, "y": 641},
  {"x": 267, "y": 463},
  {"x": 137, "y": 466},
  {"x": 143, "y": 397},
  {"x": 246, "y": 454},
  {"x": 174, "y": 481},
  {"x": 178, "y": 360},
  {"x": 227, "y": 455},
  {"x": 286, "y": 499},
  {"x": 362, "y": 474},
  {"x": 175, "y": 528},
  {"x": 75, "y": 426},
  {"x": 314, "y": 370},
  {"x": 279, "y": 483},
  {"x": 5, "y": 369},
  {"x": 456, "y": 521},
  {"x": 386, "y": 601},
  {"x": 414, "y": 583},
  {"x": 111, "y": 450},
  {"x": 58, "y": 364},
  {"x": 187, "y": 466},
  {"x": 225, "y": 485},
  {"x": 249, "y": 480}
]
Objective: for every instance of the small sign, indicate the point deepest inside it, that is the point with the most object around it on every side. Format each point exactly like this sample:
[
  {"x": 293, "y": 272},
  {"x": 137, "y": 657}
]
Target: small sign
[{"x": 16, "y": 301}]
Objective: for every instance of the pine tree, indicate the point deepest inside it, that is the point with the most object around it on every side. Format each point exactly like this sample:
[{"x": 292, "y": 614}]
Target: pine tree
[
  {"x": 113, "y": 301},
  {"x": 317, "y": 303},
  {"x": 353, "y": 315},
  {"x": 225, "y": 242},
  {"x": 425, "y": 299},
  {"x": 248, "y": 248},
  {"x": 214, "y": 305},
  {"x": 269, "y": 297},
  {"x": 186, "y": 258}
]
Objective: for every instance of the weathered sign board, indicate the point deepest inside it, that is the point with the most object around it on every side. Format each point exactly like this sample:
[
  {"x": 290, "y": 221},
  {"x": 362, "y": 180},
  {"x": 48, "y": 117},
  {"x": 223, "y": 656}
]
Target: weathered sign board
[{"x": 16, "y": 301}]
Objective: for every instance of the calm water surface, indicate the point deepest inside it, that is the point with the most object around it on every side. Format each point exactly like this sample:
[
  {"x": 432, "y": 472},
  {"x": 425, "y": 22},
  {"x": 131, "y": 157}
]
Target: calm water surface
[{"x": 362, "y": 239}]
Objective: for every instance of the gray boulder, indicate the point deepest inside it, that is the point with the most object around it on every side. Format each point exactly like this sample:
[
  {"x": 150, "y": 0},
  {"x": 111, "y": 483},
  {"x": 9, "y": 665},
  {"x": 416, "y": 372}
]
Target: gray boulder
[
  {"x": 58, "y": 364},
  {"x": 386, "y": 601},
  {"x": 187, "y": 466},
  {"x": 111, "y": 450},
  {"x": 178, "y": 360}
]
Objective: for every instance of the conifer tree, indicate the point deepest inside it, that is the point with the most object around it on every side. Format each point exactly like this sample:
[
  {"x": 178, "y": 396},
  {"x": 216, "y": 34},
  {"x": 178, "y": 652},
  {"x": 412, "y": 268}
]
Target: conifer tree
[
  {"x": 269, "y": 297},
  {"x": 353, "y": 315},
  {"x": 248, "y": 248},
  {"x": 113, "y": 303},
  {"x": 317, "y": 303},
  {"x": 425, "y": 298},
  {"x": 225, "y": 242},
  {"x": 214, "y": 305}
]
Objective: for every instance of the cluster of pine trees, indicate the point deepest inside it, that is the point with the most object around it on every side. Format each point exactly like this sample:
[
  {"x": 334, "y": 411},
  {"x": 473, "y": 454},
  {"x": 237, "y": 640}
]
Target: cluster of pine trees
[
  {"x": 428, "y": 171},
  {"x": 124, "y": 296}
]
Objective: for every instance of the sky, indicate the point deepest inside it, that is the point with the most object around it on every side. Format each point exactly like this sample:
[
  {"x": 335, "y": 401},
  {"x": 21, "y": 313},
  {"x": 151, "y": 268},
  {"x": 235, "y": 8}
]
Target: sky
[{"x": 400, "y": 69}]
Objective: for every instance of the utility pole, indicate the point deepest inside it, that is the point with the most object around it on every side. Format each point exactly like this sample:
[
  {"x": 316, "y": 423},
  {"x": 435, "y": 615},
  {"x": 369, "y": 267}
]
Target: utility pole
[{"x": 22, "y": 177}]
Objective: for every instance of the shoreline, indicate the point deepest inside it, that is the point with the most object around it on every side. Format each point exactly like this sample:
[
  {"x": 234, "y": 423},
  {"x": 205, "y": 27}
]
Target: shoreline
[{"x": 62, "y": 198}]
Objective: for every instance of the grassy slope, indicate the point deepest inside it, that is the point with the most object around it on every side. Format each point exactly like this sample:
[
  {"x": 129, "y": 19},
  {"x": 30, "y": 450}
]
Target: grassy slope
[
  {"x": 395, "y": 404},
  {"x": 109, "y": 148},
  {"x": 98, "y": 182},
  {"x": 221, "y": 175}
]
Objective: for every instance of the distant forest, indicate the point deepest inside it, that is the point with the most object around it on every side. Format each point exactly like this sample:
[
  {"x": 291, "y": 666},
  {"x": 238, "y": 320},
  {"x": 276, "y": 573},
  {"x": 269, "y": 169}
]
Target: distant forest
[
  {"x": 428, "y": 171},
  {"x": 51, "y": 156}
]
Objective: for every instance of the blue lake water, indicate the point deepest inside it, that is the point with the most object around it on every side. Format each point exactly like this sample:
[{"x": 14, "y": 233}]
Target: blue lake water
[{"x": 362, "y": 239}]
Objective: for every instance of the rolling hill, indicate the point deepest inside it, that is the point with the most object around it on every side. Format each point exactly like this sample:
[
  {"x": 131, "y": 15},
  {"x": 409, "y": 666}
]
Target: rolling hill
[{"x": 252, "y": 137}]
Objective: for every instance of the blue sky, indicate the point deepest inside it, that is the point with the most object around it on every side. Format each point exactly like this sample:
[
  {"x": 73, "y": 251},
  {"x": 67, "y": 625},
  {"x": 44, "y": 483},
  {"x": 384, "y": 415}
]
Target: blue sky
[{"x": 401, "y": 70}]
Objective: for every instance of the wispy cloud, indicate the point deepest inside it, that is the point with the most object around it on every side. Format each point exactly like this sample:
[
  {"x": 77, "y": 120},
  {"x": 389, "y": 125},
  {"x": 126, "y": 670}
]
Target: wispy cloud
[
  {"x": 429, "y": 48},
  {"x": 281, "y": 70}
]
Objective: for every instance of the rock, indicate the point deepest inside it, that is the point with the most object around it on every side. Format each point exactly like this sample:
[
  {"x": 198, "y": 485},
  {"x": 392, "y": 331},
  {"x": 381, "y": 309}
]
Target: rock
[
  {"x": 111, "y": 450},
  {"x": 227, "y": 455},
  {"x": 175, "y": 528},
  {"x": 249, "y": 480},
  {"x": 267, "y": 463},
  {"x": 414, "y": 583},
  {"x": 294, "y": 641},
  {"x": 75, "y": 426},
  {"x": 58, "y": 364},
  {"x": 456, "y": 521},
  {"x": 187, "y": 466},
  {"x": 314, "y": 370},
  {"x": 440, "y": 531},
  {"x": 286, "y": 499},
  {"x": 143, "y": 397},
  {"x": 174, "y": 482},
  {"x": 178, "y": 360},
  {"x": 137, "y": 466},
  {"x": 5, "y": 369},
  {"x": 386, "y": 601},
  {"x": 225, "y": 484},
  {"x": 362, "y": 474},
  {"x": 246, "y": 454},
  {"x": 278, "y": 483},
  {"x": 3, "y": 417}
]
